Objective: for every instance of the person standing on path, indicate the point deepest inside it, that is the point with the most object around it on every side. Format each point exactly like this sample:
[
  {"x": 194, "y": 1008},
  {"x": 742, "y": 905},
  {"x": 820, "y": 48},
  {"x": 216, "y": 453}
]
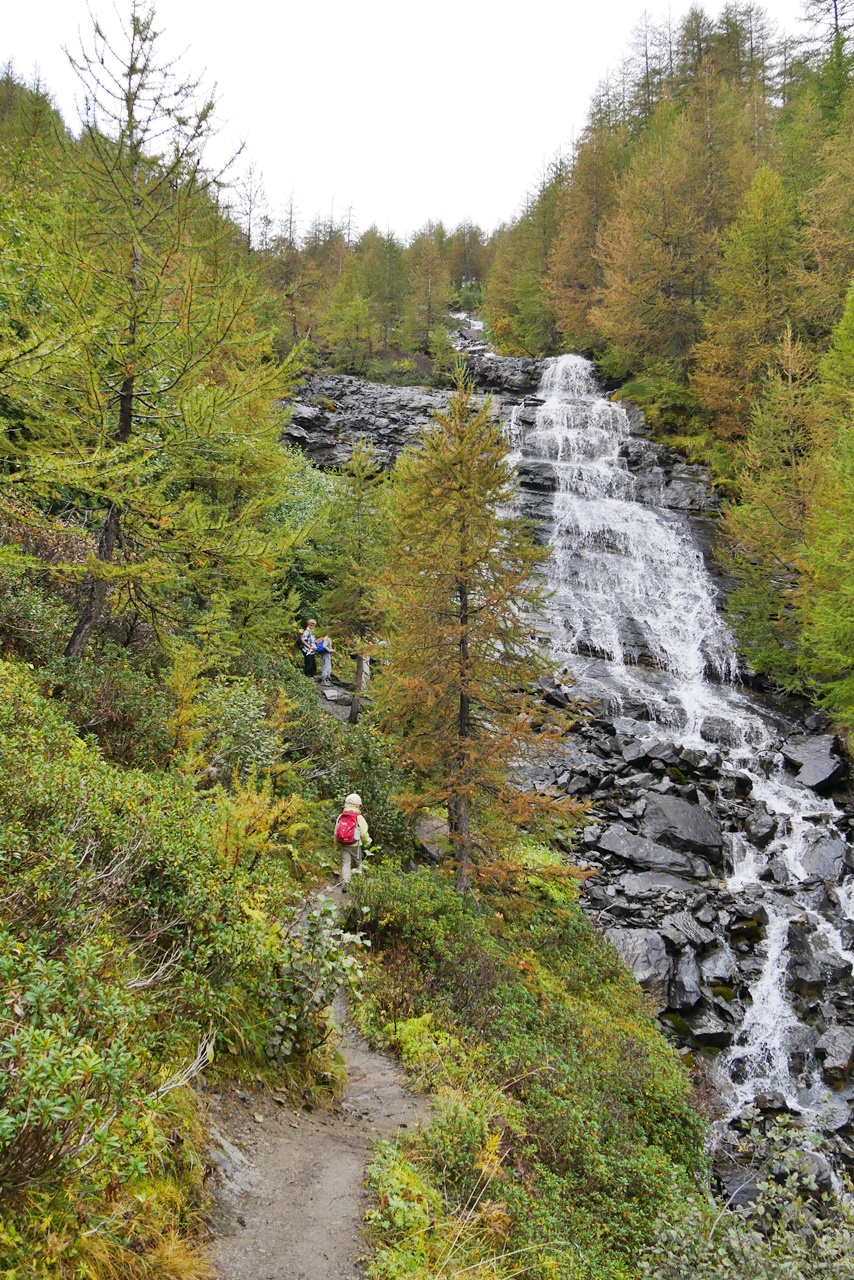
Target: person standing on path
[
  {"x": 309, "y": 649},
  {"x": 326, "y": 649},
  {"x": 351, "y": 832}
]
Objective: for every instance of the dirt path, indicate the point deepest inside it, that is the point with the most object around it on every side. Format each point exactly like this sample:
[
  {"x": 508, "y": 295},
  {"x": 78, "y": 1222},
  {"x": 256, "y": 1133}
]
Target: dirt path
[{"x": 290, "y": 1191}]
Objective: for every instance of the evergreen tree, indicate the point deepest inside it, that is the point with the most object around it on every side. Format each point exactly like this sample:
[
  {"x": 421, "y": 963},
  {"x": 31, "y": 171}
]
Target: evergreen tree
[
  {"x": 455, "y": 590},
  {"x": 516, "y": 305},
  {"x": 575, "y": 278},
  {"x": 826, "y": 597},
  {"x": 382, "y": 275},
  {"x": 657, "y": 253},
  {"x": 349, "y": 329},
  {"x": 780, "y": 472},
  {"x": 828, "y": 207}
]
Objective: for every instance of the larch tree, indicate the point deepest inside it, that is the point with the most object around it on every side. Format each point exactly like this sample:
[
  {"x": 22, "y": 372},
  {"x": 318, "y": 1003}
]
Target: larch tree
[
  {"x": 516, "y": 305},
  {"x": 826, "y": 596},
  {"x": 349, "y": 558},
  {"x": 755, "y": 295},
  {"x": 430, "y": 294},
  {"x": 657, "y": 252},
  {"x": 780, "y": 473},
  {"x": 828, "y": 208},
  {"x": 575, "y": 279},
  {"x": 456, "y": 592},
  {"x": 349, "y": 330},
  {"x": 154, "y": 426}
]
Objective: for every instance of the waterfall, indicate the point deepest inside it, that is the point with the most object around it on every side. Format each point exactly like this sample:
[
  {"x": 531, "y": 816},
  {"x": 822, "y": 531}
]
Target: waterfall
[{"x": 634, "y": 619}]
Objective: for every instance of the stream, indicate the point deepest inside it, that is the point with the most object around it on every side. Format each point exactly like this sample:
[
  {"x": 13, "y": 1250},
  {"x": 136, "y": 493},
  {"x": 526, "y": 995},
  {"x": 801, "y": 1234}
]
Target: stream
[{"x": 725, "y": 871}]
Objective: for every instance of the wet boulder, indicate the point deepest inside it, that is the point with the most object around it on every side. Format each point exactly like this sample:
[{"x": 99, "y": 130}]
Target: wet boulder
[
  {"x": 812, "y": 966},
  {"x": 682, "y": 823},
  {"x": 825, "y": 858},
  {"x": 710, "y": 1030},
  {"x": 761, "y": 827},
  {"x": 836, "y": 1049},
  {"x": 646, "y": 853},
  {"x": 554, "y": 693},
  {"x": 723, "y": 731},
  {"x": 682, "y": 928},
  {"x": 644, "y": 952},
  {"x": 817, "y": 760}
]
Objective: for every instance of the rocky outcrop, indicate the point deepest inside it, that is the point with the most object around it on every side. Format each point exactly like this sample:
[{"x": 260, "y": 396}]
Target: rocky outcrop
[
  {"x": 667, "y": 819},
  {"x": 330, "y": 411}
]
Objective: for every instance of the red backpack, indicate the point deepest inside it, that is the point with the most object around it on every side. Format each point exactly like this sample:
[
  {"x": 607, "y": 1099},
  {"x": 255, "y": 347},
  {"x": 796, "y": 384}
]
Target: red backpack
[{"x": 346, "y": 827}]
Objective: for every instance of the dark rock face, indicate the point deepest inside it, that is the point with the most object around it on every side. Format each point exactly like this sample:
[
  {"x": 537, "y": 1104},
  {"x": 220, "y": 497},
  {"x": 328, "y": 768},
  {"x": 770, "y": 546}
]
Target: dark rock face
[
  {"x": 503, "y": 373},
  {"x": 683, "y": 824},
  {"x": 817, "y": 760},
  {"x": 331, "y": 411},
  {"x": 836, "y": 1050},
  {"x": 760, "y": 828},
  {"x": 826, "y": 858},
  {"x": 644, "y": 952}
]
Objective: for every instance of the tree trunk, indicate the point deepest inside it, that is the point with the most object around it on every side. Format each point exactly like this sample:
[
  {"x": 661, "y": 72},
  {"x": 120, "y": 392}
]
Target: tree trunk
[
  {"x": 98, "y": 588},
  {"x": 463, "y": 838},
  {"x": 356, "y": 704},
  {"x": 462, "y": 813}
]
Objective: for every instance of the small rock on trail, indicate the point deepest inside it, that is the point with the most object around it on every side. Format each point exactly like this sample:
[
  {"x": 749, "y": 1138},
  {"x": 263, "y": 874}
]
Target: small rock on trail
[{"x": 290, "y": 1195}]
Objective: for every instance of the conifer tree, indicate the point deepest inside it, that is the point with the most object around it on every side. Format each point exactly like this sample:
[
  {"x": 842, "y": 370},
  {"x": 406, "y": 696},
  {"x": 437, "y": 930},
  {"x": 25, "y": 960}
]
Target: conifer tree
[
  {"x": 781, "y": 467},
  {"x": 455, "y": 593},
  {"x": 516, "y": 306},
  {"x": 349, "y": 329},
  {"x": 826, "y": 596},
  {"x": 575, "y": 278},
  {"x": 755, "y": 298},
  {"x": 657, "y": 252},
  {"x": 828, "y": 207},
  {"x": 353, "y": 524},
  {"x": 430, "y": 293},
  {"x": 154, "y": 424},
  {"x": 382, "y": 275}
]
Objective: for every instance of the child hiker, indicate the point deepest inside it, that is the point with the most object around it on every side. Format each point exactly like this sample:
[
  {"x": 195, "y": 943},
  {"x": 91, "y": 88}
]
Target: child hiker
[{"x": 351, "y": 832}]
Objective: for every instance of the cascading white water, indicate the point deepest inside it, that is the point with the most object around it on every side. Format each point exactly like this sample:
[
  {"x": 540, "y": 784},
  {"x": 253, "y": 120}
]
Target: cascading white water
[
  {"x": 629, "y": 578},
  {"x": 630, "y": 587}
]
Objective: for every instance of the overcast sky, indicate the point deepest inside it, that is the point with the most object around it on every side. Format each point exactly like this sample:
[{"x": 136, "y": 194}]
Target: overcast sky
[{"x": 401, "y": 111}]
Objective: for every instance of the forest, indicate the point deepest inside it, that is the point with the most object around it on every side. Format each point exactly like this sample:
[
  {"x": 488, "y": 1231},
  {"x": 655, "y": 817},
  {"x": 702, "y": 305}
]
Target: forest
[{"x": 168, "y": 777}]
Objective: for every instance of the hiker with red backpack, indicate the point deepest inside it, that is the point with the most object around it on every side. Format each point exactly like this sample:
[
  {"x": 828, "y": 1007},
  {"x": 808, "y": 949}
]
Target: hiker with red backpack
[{"x": 351, "y": 832}]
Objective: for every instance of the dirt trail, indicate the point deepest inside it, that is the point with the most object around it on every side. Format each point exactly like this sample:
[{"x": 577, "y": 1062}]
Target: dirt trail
[{"x": 290, "y": 1189}]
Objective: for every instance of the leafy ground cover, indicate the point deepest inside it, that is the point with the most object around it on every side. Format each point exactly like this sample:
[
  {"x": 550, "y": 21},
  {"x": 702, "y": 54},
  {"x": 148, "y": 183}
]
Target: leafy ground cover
[
  {"x": 137, "y": 945},
  {"x": 563, "y": 1128}
]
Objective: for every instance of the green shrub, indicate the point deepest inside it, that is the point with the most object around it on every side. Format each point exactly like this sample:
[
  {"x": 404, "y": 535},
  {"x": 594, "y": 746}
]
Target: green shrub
[
  {"x": 534, "y": 1037},
  {"x": 139, "y": 940},
  {"x": 791, "y": 1230}
]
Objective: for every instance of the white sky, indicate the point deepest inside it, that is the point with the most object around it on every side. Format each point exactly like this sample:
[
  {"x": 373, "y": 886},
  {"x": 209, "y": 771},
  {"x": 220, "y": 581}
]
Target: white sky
[{"x": 402, "y": 111}]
